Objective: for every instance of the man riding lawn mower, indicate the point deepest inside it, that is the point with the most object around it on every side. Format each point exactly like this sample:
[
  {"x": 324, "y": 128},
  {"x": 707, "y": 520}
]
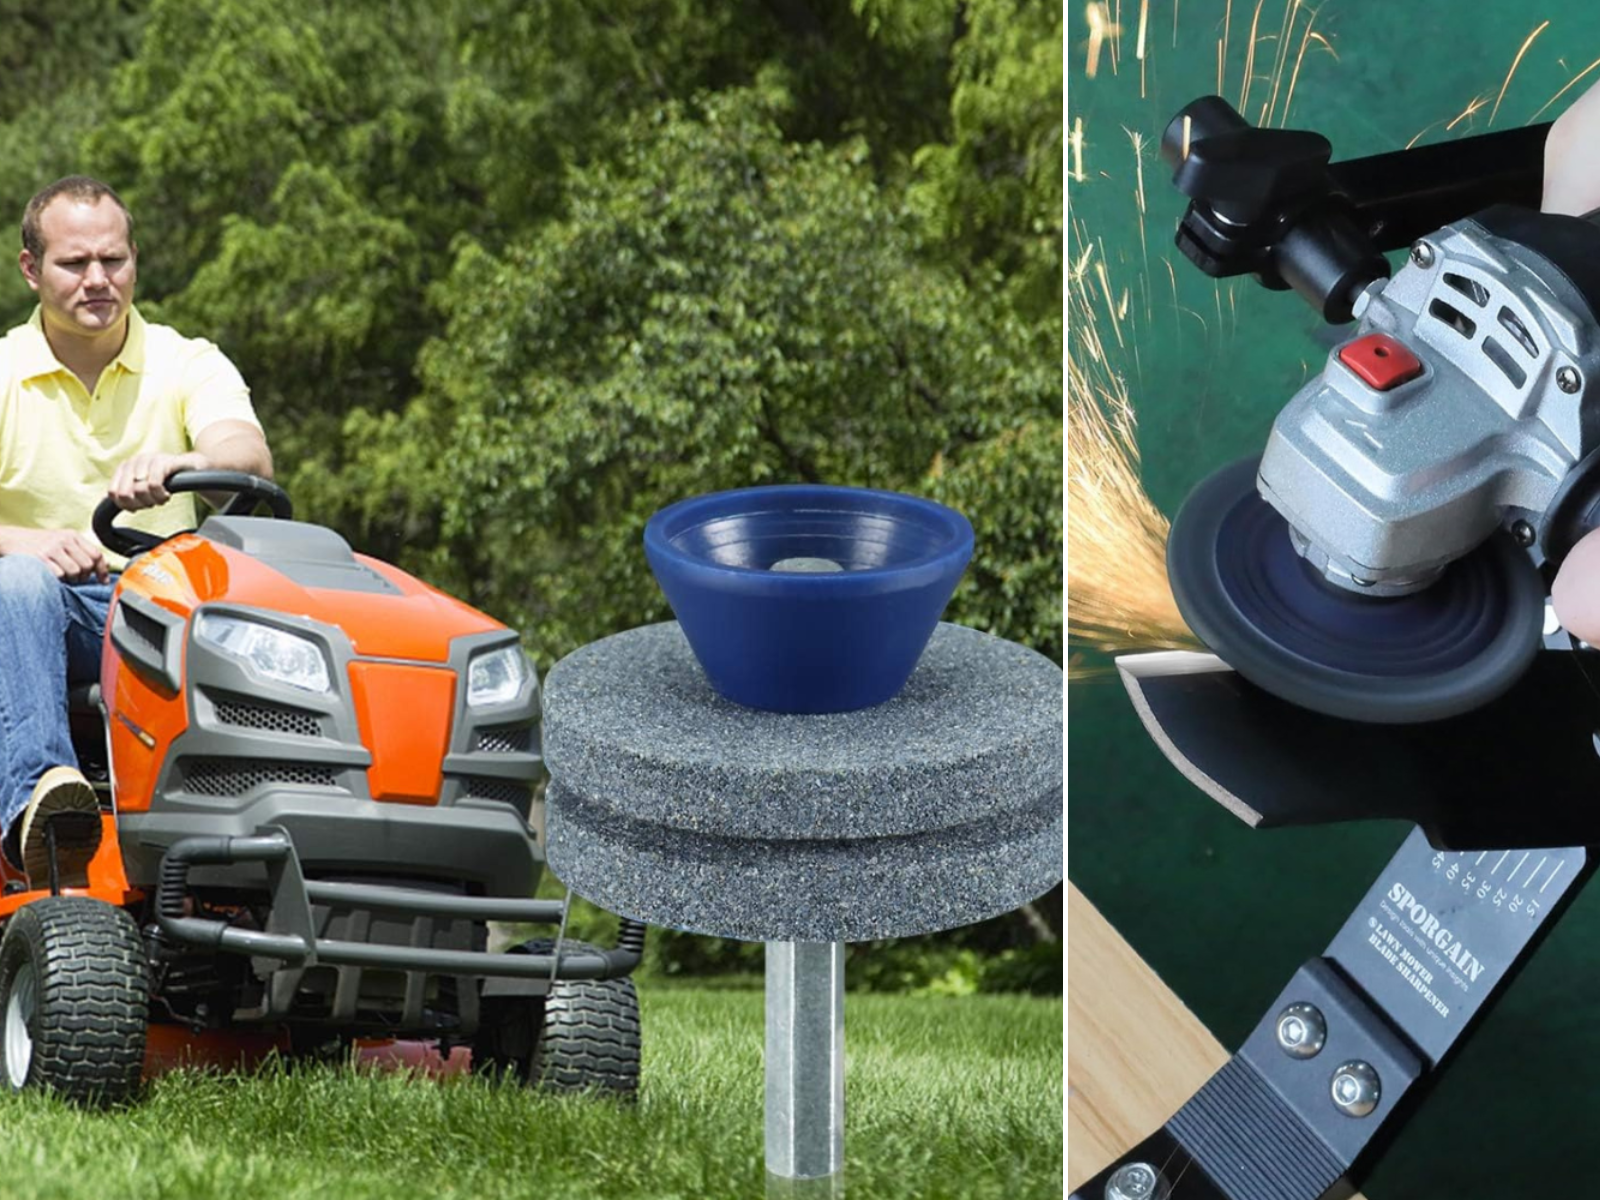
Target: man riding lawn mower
[
  {"x": 315, "y": 775},
  {"x": 306, "y": 777}
]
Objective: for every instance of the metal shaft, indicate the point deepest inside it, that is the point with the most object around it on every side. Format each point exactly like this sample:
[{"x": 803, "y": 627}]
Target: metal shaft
[{"x": 805, "y": 1067}]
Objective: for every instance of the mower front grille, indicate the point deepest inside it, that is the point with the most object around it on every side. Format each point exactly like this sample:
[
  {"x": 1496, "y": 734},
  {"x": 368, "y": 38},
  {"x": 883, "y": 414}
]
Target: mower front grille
[
  {"x": 241, "y": 776},
  {"x": 481, "y": 787},
  {"x": 275, "y": 718},
  {"x": 505, "y": 739},
  {"x": 145, "y": 630}
]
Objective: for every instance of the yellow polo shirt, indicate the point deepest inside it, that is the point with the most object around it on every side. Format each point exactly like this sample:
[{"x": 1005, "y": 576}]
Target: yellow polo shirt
[{"x": 59, "y": 445}]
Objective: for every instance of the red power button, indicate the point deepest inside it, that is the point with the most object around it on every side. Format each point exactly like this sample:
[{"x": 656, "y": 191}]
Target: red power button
[{"x": 1381, "y": 361}]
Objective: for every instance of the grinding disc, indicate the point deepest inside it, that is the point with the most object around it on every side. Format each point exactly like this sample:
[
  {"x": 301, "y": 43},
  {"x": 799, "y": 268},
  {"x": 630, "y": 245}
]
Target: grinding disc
[{"x": 1247, "y": 594}]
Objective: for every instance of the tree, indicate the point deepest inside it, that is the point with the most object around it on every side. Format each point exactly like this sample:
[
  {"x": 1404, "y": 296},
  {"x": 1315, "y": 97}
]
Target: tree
[
  {"x": 993, "y": 193},
  {"x": 721, "y": 308},
  {"x": 302, "y": 172}
]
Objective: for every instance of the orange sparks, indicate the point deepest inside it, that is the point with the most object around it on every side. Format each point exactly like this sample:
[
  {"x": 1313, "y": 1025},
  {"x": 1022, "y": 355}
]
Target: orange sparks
[
  {"x": 1417, "y": 137},
  {"x": 1101, "y": 28},
  {"x": 1222, "y": 52},
  {"x": 1082, "y": 336},
  {"x": 1111, "y": 305},
  {"x": 1077, "y": 150},
  {"x": 1564, "y": 90},
  {"x": 1188, "y": 125},
  {"x": 1294, "y": 78},
  {"x": 1137, "y": 139},
  {"x": 1082, "y": 265},
  {"x": 1472, "y": 106},
  {"x": 1250, "y": 58},
  {"x": 1514, "y": 64},
  {"x": 1138, "y": 165},
  {"x": 1118, "y": 597},
  {"x": 1144, "y": 20},
  {"x": 1291, "y": 11}
]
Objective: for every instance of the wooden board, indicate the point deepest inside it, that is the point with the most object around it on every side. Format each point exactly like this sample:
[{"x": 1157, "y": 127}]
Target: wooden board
[{"x": 1134, "y": 1052}]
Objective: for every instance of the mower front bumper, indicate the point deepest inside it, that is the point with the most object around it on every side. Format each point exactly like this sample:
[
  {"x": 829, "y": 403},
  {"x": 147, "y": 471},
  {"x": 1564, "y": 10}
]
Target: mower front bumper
[
  {"x": 484, "y": 842},
  {"x": 292, "y": 933}
]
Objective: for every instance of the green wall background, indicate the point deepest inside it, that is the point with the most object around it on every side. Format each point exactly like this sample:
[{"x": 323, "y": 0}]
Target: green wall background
[{"x": 1225, "y": 914}]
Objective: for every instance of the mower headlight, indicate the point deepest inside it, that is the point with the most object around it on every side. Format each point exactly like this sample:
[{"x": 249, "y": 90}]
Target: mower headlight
[
  {"x": 272, "y": 653},
  {"x": 496, "y": 677}
]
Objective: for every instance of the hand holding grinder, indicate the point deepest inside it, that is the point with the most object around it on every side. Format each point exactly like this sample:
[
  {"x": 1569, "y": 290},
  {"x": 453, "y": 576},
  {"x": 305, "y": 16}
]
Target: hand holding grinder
[{"x": 1385, "y": 558}]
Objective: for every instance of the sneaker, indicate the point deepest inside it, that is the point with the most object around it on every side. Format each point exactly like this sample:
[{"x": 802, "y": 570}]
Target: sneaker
[{"x": 60, "y": 789}]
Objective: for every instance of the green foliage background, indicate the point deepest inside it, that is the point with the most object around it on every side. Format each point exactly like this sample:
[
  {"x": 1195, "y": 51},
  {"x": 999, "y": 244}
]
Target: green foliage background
[{"x": 507, "y": 277}]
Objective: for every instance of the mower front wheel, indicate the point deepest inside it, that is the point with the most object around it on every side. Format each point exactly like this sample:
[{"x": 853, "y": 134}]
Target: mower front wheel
[
  {"x": 583, "y": 1036},
  {"x": 74, "y": 1001}
]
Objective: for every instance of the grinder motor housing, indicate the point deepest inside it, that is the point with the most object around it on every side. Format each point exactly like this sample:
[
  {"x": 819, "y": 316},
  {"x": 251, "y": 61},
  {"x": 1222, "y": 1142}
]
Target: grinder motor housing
[{"x": 1458, "y": 407}]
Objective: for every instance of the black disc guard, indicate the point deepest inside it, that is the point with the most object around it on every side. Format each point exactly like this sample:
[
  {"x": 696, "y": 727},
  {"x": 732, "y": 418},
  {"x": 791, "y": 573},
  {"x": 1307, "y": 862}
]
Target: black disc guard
[{"x": 1248, "y": 595}]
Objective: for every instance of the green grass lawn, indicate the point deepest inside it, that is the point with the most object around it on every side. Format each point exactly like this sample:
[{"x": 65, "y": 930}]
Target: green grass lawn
[{"x": 945, "y": 1097}]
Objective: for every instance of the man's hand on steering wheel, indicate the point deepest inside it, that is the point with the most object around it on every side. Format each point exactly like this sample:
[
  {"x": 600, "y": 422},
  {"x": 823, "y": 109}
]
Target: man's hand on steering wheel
[
  {"x": 240, "y": 491},
  {"x": 140, "y": 482}
]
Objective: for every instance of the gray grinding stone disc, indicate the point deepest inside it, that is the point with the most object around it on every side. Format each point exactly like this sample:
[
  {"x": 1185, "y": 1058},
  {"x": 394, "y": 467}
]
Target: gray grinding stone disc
[
  {"x": 803, "y": 891},
  {"x": 675, "y": 806}
]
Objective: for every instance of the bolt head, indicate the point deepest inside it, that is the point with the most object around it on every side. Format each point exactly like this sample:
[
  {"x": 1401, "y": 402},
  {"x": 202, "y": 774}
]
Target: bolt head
[
  {"x": 1137, "y": 1181},
  {"x": 1302, "y": 1031},
  {"x": 1355, "y": 1088},
  {"x": 1422, "y": 254},
  {"x": 1568, "y": 380},
  {"x": 1523, "y": 533},
  {"x": 1359, "y": 306}
]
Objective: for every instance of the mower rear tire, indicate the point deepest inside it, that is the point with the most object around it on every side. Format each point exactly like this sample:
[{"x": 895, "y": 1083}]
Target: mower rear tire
[
  {"x": 582, "y": 1037},
  {"x": 74, "y": 1001}
]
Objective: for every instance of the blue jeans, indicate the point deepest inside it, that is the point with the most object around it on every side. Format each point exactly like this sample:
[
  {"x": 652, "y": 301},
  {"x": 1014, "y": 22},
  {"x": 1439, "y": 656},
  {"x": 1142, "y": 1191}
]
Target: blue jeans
[{"x": 50, "y": 636}]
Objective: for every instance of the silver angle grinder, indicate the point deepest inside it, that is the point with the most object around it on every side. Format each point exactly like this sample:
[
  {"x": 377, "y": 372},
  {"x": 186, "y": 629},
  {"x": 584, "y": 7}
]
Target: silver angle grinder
[{"x": 1386, "y": 557}]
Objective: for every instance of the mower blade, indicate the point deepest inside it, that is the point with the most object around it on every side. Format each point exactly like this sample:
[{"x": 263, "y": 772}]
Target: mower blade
[{"x": 1520, "y": 772}]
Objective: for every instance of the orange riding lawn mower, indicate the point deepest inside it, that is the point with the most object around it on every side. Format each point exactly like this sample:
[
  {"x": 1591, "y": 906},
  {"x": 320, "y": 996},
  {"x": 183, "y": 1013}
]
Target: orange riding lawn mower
[{"x": 316, "y": 776}]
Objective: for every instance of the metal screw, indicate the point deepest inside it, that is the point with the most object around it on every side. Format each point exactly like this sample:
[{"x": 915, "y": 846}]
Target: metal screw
[
  {"x": 1302, "y": 1032},
  {"x": 1422, "y": 254},
  {"x": 1523, "y": 533},
  {"x": 1137, "y": 1181},
  {"x": 1568, "y": 380},
  {"x": 1355, "y": 1089}
]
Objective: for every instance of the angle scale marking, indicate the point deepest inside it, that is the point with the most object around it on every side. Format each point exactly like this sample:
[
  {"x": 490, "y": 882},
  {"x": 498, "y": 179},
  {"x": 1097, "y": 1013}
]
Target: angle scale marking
[
  {"x": 1508, "y": 898},
  {"x": 1534, "y": 874}
]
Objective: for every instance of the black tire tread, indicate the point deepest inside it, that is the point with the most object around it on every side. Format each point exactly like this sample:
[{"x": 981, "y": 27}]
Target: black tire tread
[
  {"x": 93, "y": 990},
  {"x": 587, "y": 1035},
  {"x": 590, "y": 1038}
]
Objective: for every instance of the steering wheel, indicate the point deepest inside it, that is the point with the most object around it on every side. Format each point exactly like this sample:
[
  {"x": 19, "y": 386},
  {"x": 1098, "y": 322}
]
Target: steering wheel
[{"x": 248, "y": 492}]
